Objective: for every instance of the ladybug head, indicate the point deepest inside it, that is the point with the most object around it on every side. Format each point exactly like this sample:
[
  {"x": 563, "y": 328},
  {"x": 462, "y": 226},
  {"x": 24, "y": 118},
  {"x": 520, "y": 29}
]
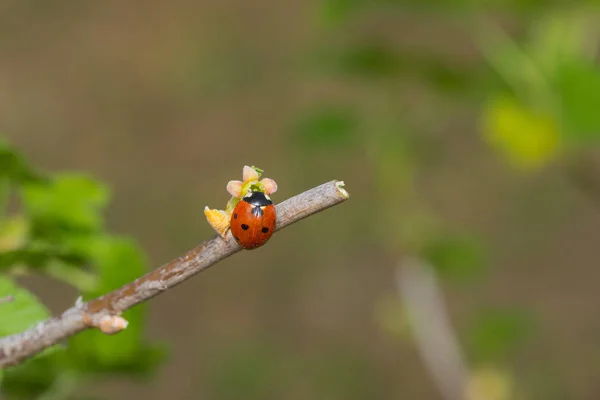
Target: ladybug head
[{"x": 259, "y": 199}]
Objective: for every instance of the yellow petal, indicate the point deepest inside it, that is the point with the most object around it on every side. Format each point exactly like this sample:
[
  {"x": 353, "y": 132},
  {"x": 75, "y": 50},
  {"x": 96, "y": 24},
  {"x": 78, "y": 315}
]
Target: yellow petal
[{"x": 218, "y": 219}]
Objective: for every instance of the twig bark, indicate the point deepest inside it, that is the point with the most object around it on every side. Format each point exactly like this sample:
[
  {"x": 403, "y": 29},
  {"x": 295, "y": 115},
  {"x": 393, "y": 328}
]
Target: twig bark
[{"x": 103, "y": 312}]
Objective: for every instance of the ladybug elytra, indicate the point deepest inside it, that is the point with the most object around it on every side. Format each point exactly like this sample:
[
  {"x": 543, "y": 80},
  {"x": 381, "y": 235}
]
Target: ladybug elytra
[{"x": 253, "y": 220}]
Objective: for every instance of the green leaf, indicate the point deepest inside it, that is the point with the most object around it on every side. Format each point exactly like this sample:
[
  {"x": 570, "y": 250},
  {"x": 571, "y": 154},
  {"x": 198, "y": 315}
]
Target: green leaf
[
  {"x": 455, "y": 256},
  {"x": 33, "y": 377},
  {"x": 328, "y": 128},
  {"x": 67, "y": 202},
  {"x": 22, "y": 312},
  {"x": 38, "y": 255},
  {"x": 496, "y": 332},
  {"x": 13, "y": 166}
]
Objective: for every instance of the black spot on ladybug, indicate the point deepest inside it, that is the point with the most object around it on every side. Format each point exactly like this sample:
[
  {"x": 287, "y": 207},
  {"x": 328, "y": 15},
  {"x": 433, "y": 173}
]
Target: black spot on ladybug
[
  {"x": 245, "y": 227},
  {"x": 264, "y": 230},
  {"x": 234, "y": 216}
]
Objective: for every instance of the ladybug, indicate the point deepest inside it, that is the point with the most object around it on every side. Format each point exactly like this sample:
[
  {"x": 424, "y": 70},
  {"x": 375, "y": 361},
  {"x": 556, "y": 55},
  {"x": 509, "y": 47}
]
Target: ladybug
[{"x": 253, "y": 220}]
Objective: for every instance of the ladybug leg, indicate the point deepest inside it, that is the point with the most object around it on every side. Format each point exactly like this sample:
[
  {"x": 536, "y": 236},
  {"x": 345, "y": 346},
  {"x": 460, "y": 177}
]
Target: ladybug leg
[{"x": 218, "y": 219}]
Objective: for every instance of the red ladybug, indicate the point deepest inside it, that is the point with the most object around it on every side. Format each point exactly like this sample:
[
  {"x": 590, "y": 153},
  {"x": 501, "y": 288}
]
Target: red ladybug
[{"x": 253, "y": 220}]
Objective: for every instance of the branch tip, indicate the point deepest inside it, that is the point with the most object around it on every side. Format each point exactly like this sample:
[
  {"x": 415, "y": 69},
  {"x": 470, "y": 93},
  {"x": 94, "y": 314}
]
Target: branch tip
[{"x": 340, "y": 187}]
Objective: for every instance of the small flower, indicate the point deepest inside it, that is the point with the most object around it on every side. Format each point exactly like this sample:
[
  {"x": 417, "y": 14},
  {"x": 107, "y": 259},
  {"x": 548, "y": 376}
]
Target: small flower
[
  {"x": 220, "y": 219},
  {"x": 250, "y": 178}
]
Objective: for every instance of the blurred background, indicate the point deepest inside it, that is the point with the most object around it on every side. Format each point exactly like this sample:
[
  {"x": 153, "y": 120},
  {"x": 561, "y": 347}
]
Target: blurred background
[{"x": 464, "y": 265}]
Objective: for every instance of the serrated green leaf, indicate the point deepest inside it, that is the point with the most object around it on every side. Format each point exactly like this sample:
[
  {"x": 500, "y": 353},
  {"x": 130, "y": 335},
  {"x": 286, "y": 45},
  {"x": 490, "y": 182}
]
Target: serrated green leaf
[
  {"x": 327, "y": 127},
  {"x": 496, "y": 332},
  {"x": 67, "y": 202},
  {"x": 455, "y": 256},
  {"x": 22, "y": 312}
]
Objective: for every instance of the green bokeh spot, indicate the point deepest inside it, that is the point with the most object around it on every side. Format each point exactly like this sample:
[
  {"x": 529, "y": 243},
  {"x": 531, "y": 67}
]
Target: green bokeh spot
[
  {"x": 369, "y": 61},
  {"x": 245, "y": 371},
  {"x": 327, "y": 128},
  {"x": 455, "y": 256},
  {"x": 495, "y": 333},
  {"x": 578, "y": 83}
]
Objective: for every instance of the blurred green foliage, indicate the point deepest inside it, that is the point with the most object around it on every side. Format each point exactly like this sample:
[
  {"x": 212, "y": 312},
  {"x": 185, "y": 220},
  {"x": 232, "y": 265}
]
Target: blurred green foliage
[
  {"x": 537, "y": 93},
  {"x": 327, "y": 128},
  {"x": 264, "y": 368},
  {"x": 550, "y": 108},
  {"x": 246, "y": 371},
  {"x": 57, "y": 229},
  {"x": 455, "y": 256},
  {"x": 21, "y": 310},
  {"x": 495, "y": 334}
]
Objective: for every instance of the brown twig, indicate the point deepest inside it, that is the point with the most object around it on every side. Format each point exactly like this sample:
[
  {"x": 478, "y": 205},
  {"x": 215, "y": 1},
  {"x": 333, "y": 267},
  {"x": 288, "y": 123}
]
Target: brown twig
[{"x": 104, "y": 312}]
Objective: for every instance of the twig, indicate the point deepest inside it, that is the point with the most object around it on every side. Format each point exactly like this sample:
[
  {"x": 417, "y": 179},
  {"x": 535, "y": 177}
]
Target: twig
[
  {"x": 436, "y": 340},
  {"x": 104, "y": 312}
]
